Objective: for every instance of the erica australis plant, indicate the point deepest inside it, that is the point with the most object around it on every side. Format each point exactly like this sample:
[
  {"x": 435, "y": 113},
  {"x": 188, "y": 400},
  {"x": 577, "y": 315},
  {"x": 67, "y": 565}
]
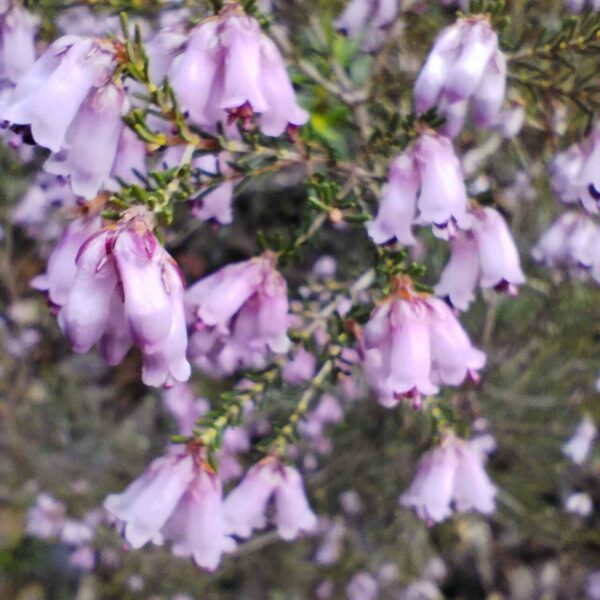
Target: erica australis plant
[{"x": 302, "y": 294}]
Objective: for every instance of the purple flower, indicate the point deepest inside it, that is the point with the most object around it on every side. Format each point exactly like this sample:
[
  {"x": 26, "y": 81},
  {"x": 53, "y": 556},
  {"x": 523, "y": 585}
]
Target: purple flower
[
  {"x": 486, "y": 255},
  {"x": 398, "y": 203},
  {"x": 17, "y": 44},
  {"x": 568, "y": 241},
  {"x": 127, "y": 289},
  {"x": 465, "y": 65},
  {"x": 367, "y": 21},
  {"x": 362, "y": 586},
  {"x": 411, "y": 344},
  {"x": 62, "y": 268},
  {"x": 450, "y": 477},
  {"x": 240, "y": 314},
  {"x": 89, "y": 165},
  {"x": 230, "y": 70},
  {"x": 246, "y": 505},
  {"x": 50, "y": 94},
  {"x": 301, "y": 368},
  {"x": 427, "y": 177},
  {"x": 177, "y": 499},
  {"x": 46, "y": 518},
  {"x": 182, "y": 404}
]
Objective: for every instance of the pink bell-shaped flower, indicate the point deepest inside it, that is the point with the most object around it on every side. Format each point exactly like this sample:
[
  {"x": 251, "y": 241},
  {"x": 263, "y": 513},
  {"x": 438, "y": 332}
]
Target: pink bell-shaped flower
[
  {"x": 451, "y": 477},
  {"x": 246, "y": 505}
]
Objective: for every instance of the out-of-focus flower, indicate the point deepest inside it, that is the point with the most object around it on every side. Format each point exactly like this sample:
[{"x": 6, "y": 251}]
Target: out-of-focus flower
[
  {"x": 17, "y": 48},
  {"x": 362, "y": 586},
  {"x": 325, "y": 267},
  {"x": 230, "y": 71},
  {"x": 246, "y": 505},
  {"x": 487, "y": 254},
  {"x": 567, "y": 241},
  {"x": 412, "y": 344},
  {"x": 46, "y": 518},
  {"x": 239, "y": 315},
  {"x": 177, "y": 499},
  {"x": 426, "y": 178},
  {"x": 367, "y": 21},
  {"x": 181, "y": 402},
  {"x": 330, "y": 549},
  {"x": 574, "y": 172},
  {"x": 579, "y": 445},
  {"x": 451, "y": 477},
  {"x": 300, "y": 368},
  {"x": 464, "y": 65},
  {"x": 580, "y": 504}
]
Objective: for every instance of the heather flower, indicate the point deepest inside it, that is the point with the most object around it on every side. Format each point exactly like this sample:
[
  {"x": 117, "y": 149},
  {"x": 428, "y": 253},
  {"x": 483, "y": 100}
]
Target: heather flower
[
  {"x": 300, "y": 368},
  {"x": 177, "y": 499},
  {"x": 46, "y": 518},
  {"x": 451, "y": 477},
  {"x": 367, "y": 20},
  {"x": 17, "y": 43},
  {"x": 574, "y": 172},
  {"x": 362, "y": 586},
  {"x": 127, "y": 289},
  {"x": 397, "y": 207},
  {"x": 464, "y": 65},
  {"x": 579, "y": 445},
  {"x": 181, "y": 403},
  {"x": 239, "y": 315},
  {"x": 231, "y": 70},
  {"x": 36, "y": 211},
  {"x": 485, "y": 255},
  {"x": 246, "y": 505},
  {"x": 428, "y": 178},
  {"x": 50, "y": 94},
  {"x": 411, "y": 345},
  {"x": 62, "y": 268},
  {"x": 570, "y": 240},
  {"x": 89, "y": 165}
]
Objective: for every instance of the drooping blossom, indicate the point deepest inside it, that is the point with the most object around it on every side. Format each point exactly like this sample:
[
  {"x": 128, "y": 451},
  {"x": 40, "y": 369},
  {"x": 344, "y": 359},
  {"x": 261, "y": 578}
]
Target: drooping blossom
[
  {"x": 49, "y": 95},
  {"x": 62, "y": 267},
  {"x": 126, "y": 289},
  {"x": 67, "y": 99},
  {"x": 579, "y": 445},
  {"x": 46, "y": 518},
  {"x": 412, "y": 344},
  {"x": 230, "y": 71},
  {"x": 362, "y": 586},
  {"x": 367, "y": 21},
  {"x": 465, "y": 67},
  {"x": 569, "y": 241},
  {"x": 239, "y": 315},
  {"x": 37, "y": 209},
  {"x": 246, "y": 505},
  {"x": 331, "y": 546},
  {"x": 486, "y": 256},
  {"x": 300, "y": 368},
  {"x": 17, "y": 43},
  {"x": 450, "y": 477},
  {"x": 574, "y": 172},
  {"x": 178, "y": 499},
  {"x": 425, "y": 186}
]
